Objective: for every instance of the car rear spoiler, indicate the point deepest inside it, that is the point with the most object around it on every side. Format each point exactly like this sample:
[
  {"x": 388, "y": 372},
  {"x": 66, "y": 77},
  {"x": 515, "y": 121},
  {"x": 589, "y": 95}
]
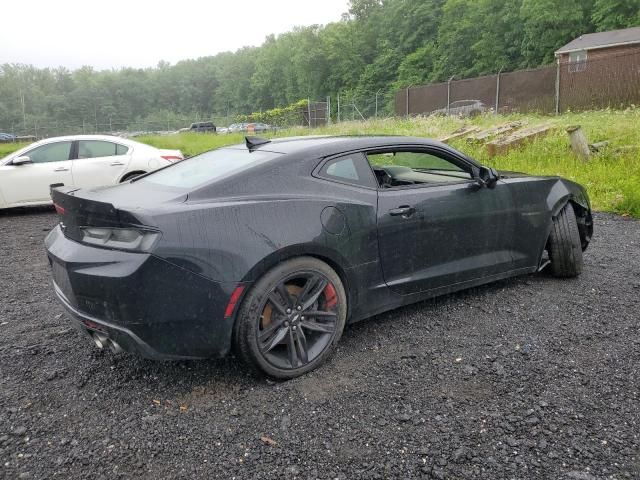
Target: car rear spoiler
[{"x": 76, "y": 211}]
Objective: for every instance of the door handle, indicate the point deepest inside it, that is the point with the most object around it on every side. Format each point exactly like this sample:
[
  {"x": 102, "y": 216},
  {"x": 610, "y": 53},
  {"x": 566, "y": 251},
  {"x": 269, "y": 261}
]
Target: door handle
[
  {"x": 61, "y": 169},
  {"x": 117, "y": 164},
  {"x": 404, "y": 210}
]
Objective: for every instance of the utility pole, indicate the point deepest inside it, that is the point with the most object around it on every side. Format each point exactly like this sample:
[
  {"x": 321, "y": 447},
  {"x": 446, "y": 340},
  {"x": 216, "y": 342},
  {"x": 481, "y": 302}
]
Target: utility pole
[
  {"x": 24, "y": 116},
  {"x": 338, "y": 107},
  {"x": 377, "y": 93}
]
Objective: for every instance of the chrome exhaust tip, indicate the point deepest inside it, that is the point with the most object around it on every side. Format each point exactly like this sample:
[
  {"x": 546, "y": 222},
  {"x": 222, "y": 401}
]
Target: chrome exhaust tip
[
  {"x": 100, "y": 340},
  {"x": 115, "y": 348}
]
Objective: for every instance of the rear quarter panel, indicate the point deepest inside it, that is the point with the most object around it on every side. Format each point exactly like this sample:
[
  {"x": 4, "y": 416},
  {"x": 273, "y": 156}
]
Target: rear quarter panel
[{"x": 238, "y": 239}]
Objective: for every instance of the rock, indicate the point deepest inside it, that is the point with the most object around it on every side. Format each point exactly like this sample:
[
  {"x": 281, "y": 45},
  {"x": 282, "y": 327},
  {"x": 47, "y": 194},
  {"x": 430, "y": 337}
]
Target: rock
[
  {"x": 469, "y": 370},
  {"x": 512, "y": 442},
  {"x": 577, "y": 475},
  {"x": 459, "y": 455},
  {"x": 19, "y": 431},
  {"x": 533, "y": 420},
  {"x": 285, "y": 423},
  {"x": 404, "y": 417},
  {"x": 438, "y": 474}
]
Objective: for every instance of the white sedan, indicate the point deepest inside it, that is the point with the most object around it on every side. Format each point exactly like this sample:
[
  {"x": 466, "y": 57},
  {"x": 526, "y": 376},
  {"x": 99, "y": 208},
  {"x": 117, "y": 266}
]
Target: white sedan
[{"x": 82, "y": 161}]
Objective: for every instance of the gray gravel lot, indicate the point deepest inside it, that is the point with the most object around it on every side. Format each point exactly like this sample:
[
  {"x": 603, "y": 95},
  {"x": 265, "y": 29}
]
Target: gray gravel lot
[{"x": 526, "y": 378}]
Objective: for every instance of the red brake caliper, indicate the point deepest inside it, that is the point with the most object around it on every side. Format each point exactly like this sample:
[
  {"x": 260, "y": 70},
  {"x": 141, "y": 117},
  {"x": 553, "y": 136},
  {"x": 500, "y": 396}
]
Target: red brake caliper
[{"x": 330, "y": 298}]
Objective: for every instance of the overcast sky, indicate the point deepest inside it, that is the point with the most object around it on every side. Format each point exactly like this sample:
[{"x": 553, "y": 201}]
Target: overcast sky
[{"x": 140, "y": 33}]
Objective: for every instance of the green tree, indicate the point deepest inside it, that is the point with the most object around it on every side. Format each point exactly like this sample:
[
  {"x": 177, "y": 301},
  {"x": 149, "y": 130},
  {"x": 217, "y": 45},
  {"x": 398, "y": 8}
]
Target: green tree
[
  {"x": 615, "y": 14},
  {"x": 550, "y": 24}
]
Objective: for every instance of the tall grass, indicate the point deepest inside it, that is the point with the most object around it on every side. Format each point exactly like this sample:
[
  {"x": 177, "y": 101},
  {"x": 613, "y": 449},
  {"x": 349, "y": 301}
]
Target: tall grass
[{"x": 192, "y": 143}]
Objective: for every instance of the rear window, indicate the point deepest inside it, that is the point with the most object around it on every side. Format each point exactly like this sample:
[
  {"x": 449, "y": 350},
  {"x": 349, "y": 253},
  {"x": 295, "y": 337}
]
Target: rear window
[{"x": 208, "y": 167}]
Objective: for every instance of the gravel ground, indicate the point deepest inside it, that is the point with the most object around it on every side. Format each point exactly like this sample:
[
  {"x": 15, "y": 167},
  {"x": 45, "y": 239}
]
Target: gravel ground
[{"x": 526, "y": 378}]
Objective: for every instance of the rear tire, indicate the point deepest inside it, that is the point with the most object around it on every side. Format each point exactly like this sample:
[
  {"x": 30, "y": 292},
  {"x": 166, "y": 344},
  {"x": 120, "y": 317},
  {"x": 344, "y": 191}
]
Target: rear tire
[
  {"x": 292, "y": 318},
  {"x": 565, "y": 247}
]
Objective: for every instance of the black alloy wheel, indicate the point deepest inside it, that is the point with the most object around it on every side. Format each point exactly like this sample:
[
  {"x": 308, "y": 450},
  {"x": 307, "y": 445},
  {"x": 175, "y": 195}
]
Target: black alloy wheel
[{"x": 292, "y": 319}]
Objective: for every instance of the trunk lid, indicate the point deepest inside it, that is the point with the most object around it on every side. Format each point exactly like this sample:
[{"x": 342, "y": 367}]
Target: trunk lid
[{"x": 121, "y": 206}]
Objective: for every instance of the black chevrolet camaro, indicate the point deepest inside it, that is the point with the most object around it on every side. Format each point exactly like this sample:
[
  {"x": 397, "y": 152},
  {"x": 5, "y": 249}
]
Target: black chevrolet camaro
[{"x": 270, "y": 248}]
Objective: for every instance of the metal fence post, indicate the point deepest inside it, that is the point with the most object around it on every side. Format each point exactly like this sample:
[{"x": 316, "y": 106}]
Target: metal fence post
[
  {"x": 449, "y": 93},
  {"x": 377, "y": 93},
  {"x": 498, "y": 90},
  {"x": 558, "y": 86},
  {"x": 407, "y": 101},
  {"x": 328, "y": 110},
  {"x": 338, "y": 107}
]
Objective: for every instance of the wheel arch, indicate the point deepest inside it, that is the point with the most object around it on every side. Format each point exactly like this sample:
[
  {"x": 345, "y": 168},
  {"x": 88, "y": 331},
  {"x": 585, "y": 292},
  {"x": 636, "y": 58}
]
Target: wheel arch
[
  {"x": 130, "y": 174},
  {"x": 329, "y": 256},
  {"x": 582, "y": 210}
]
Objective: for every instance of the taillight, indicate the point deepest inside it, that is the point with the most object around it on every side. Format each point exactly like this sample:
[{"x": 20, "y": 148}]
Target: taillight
[
  {"x": 172, "y": 158},
  {"x": 132, "y": 239},
  {"x": 60, "y": 210}
]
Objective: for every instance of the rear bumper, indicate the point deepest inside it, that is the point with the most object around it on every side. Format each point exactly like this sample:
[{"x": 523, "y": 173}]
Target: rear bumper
[
  {"x": 147, "y": 305},
  {"x": 124, "y": 337}
]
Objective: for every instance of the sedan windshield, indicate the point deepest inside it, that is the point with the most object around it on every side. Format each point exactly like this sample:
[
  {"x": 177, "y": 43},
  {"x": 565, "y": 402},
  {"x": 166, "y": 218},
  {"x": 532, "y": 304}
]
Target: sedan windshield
[{"x": 208, "y": 167}]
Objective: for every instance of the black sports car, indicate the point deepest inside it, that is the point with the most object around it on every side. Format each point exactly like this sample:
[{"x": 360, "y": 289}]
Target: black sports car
[{"x": 270, "y": 248}]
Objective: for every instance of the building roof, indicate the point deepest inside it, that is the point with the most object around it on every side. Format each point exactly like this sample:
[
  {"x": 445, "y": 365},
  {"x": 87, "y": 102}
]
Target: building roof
[{"x": 591, "y": 41}]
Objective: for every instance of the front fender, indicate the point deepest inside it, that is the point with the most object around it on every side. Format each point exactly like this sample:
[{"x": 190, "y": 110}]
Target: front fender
[{"x": 564, "y": 191}]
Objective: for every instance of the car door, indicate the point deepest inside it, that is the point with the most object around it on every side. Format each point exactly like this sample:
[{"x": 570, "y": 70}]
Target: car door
[
  {"x": 436, "y": 225},
  {"x": 28, "y": 183},
  {"x": 99, "y": 163}
]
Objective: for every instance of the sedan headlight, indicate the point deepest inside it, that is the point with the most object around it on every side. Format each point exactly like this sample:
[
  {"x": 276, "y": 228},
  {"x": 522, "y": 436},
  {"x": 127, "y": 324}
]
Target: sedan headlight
[{"x": 134, "y": 239}]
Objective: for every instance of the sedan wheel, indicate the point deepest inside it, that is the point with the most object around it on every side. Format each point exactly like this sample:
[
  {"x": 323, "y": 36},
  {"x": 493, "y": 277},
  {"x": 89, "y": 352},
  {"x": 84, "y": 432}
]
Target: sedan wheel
[{"x": 292, "y": 319}]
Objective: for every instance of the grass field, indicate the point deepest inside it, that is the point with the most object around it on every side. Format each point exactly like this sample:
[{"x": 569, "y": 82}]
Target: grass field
[{"x": 612, "y": 177}]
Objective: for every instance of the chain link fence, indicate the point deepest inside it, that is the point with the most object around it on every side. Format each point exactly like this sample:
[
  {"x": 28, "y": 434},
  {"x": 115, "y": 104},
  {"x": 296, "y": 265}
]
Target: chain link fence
[{"x": 362, "y": 106}]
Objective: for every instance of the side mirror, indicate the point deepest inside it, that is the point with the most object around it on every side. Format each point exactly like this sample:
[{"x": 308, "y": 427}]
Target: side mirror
[
  {"x": 487, "y": 177},
  {"x": 20, "y": 160}
]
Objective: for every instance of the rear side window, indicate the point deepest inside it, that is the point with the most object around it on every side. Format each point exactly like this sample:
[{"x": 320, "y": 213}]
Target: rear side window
[
  {"x": 349, "y": 169},
  {"x": 208, "y": 167},
  {"x": 96, "y": 149},
  {"x": 121, "y": 149}
]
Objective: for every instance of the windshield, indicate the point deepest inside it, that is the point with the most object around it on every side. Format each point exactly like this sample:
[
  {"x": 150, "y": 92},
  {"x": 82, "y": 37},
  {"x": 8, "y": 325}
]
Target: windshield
[{"x": 208, "y": 167}]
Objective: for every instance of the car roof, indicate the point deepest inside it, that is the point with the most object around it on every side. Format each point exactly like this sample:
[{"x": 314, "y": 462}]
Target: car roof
[
  {"x": 107, "y": 138},
  {"x": 329, "y": 145}
]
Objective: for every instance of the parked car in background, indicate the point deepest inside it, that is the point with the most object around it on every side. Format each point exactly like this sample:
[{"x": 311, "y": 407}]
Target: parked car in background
[
  {"x": 203, "y": 127},
  {"x": 7, "y": 137},
  {"x": 463, "y": 108},
  {"x": 237, "y": 127},
  {"x": 82, "y": 161},
  {"x": 251, "y": 127},
  {"x": 260, "y": 127},
  {"x": 342, "y": 228}
]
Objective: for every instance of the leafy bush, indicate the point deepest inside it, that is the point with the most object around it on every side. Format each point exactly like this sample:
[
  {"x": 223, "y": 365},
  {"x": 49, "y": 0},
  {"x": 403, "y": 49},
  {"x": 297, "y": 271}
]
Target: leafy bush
[{"x": 288, "y": 116}]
